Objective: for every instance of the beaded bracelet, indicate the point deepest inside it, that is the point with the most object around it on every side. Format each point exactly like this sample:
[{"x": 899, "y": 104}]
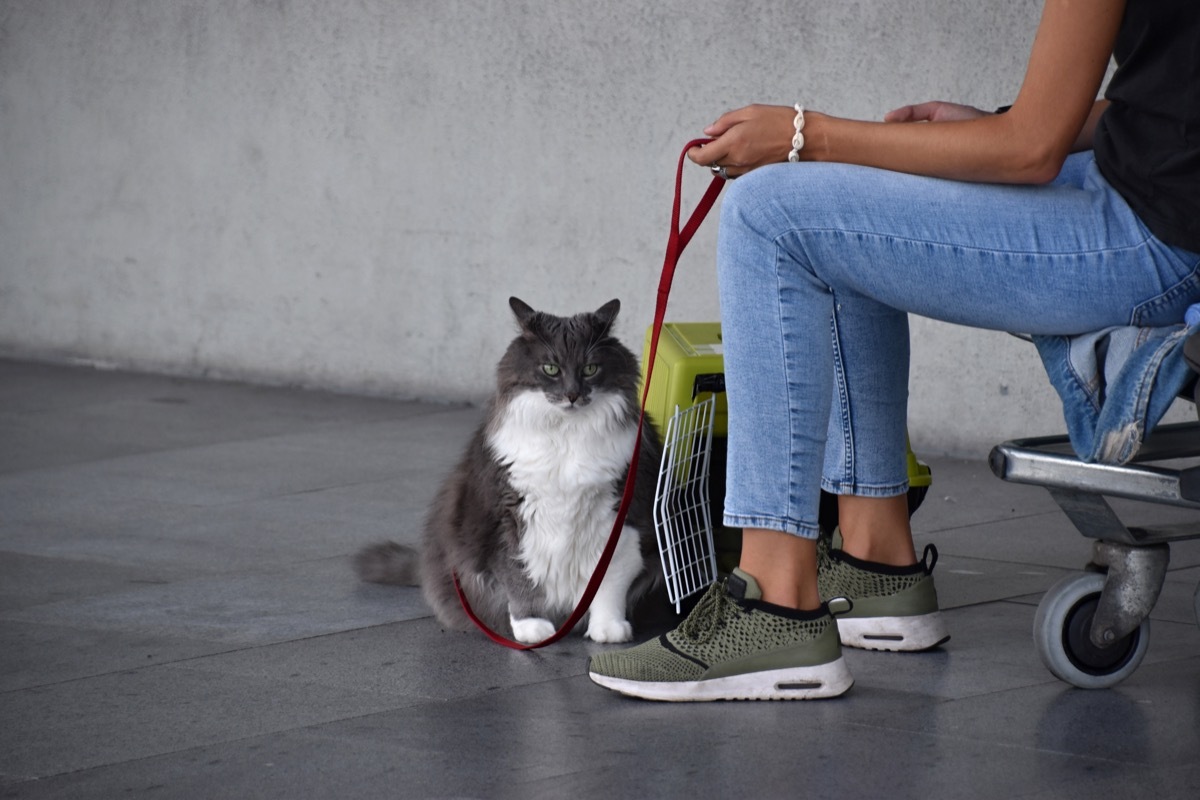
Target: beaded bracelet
[{"x": 798, "y": 139}]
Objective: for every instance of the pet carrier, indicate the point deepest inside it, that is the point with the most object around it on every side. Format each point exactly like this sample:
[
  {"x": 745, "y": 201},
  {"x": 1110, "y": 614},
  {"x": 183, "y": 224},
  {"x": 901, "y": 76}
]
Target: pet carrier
[{"x": 686, "y": 403}]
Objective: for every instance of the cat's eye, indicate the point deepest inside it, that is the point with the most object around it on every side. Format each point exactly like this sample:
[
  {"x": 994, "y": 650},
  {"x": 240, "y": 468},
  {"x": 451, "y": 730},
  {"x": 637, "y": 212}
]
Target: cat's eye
[
  {"x": 551, "y": 369},
  {"x": 590, "y": 369}
]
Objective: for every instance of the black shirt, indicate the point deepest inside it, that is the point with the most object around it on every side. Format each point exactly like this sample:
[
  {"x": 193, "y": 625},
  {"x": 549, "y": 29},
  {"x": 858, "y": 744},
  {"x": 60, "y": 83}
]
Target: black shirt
[{"x": 1147, "y": 143}]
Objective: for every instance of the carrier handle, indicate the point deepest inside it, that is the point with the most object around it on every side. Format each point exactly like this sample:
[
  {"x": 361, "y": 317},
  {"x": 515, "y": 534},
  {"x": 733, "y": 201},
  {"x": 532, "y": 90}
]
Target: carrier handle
[
  {"x": 677, "y": 240},
  {"x": 713, "y": 383}
]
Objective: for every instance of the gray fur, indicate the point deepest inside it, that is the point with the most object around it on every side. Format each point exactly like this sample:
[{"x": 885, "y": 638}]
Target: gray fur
[{"x": 472, "y": 527}]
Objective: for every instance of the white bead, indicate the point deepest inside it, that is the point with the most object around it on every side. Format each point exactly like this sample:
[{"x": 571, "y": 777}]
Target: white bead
[{"x": 798, "y": 139}]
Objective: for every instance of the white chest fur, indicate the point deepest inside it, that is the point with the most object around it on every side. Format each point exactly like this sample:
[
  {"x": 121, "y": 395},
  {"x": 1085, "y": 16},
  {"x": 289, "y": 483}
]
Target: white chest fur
[{"x": 566, "y": 466}]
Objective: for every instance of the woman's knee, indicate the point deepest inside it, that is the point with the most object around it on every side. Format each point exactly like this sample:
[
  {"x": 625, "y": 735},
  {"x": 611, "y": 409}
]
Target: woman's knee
[
  {"x": 780, "y": 199},
  {"x": 753, "y": 217},
  {"x": 753, "y": 195}
]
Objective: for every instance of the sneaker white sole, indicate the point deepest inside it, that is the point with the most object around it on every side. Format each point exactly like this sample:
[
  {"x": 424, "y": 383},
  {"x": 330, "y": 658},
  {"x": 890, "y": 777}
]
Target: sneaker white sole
[
  {"x": 908, "y": 634},
  {"x": 796, "y": 683}
]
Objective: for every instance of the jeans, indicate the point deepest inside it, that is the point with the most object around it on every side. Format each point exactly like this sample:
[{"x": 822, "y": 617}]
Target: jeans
[{"x": 818, "y": 268}]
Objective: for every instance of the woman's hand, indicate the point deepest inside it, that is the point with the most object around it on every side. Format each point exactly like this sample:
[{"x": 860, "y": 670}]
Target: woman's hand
[
  {"x": 941, "y": 111},
  {"x": 747, "y": 138}
]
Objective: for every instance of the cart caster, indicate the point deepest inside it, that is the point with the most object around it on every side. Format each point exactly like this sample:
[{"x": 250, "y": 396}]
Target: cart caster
[{"x": 1061, "y": 633}]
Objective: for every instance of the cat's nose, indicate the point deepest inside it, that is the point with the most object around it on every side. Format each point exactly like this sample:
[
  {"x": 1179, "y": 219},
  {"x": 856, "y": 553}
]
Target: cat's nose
[{"x": 572, "y": 397}]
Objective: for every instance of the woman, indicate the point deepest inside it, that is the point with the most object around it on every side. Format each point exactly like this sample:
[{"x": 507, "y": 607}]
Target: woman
[{"x": 945, "y": 211}]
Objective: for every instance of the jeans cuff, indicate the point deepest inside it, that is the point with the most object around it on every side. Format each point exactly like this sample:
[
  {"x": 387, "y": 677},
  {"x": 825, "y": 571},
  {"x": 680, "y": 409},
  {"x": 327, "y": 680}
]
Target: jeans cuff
[
  {"x": 801, "y": 529},
  {"x": 864, "y": 489}
]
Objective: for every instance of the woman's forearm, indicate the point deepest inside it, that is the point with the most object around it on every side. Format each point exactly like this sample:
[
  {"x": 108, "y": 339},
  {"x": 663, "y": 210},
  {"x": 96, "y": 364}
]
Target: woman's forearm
[
  {"x": 992, "y": 148},
  {"x": 1053, "y": 114}
]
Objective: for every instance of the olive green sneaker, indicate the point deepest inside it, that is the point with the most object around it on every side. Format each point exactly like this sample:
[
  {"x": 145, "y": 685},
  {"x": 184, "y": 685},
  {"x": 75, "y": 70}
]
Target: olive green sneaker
[
  {"x": 893, "y": 608},
  {"x": 733, "y": 646}
]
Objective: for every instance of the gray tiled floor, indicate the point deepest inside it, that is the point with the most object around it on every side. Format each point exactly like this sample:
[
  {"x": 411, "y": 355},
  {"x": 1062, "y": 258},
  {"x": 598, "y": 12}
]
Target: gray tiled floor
[{"x": 178, "y": 619}]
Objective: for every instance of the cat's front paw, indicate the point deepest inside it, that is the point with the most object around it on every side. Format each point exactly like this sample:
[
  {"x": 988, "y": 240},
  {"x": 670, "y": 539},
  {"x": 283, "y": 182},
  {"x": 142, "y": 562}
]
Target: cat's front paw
[
  {"x": 531, "y": 630},
  {"x": 609, "y": 631}
]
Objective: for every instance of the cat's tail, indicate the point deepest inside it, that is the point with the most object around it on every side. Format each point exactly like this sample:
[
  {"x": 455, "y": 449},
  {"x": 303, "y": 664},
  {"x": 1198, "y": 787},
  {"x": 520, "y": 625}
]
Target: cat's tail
[{"x": 388, "y": 562}]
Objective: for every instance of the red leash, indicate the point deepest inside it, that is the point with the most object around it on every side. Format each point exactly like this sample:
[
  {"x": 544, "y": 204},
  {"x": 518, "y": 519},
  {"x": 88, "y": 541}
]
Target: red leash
[{"x": 676, "y": 242}]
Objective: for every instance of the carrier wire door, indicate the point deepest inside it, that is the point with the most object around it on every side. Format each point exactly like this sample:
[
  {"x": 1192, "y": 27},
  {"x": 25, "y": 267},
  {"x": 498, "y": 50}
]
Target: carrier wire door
[{"x": 682, "y": 521}]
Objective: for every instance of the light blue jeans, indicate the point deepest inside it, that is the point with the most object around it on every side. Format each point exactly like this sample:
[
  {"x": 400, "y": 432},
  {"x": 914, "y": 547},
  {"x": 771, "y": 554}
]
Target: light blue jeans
[{"x": 818, "y": 268}]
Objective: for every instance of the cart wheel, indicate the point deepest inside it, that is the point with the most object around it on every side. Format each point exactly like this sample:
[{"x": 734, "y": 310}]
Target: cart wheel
[{"x": 1060, "y": 633}]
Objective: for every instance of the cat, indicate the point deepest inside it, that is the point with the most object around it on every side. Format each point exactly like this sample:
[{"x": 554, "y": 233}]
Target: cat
[{"x": 524, "y": 515}]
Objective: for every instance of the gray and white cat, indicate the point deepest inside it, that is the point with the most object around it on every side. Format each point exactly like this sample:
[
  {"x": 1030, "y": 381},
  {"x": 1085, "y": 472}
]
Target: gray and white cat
[{"x": 524, "y": 516}]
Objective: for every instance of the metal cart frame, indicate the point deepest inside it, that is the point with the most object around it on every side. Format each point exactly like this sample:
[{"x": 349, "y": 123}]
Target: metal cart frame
[{"x": 1092, "y": 629}]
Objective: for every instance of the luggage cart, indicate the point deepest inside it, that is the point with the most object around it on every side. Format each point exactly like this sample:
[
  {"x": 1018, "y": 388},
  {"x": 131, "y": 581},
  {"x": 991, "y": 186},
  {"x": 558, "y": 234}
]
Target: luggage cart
[{"x": 1092, "y": 628}]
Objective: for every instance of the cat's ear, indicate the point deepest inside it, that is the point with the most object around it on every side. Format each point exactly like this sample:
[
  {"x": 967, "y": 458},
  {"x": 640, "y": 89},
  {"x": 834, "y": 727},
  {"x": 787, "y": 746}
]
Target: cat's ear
[
  {"x": 608, "y": 312},
  {"x": 522, "y": 309}
]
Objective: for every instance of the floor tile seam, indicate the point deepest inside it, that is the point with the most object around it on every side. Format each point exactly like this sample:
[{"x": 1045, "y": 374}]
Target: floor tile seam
[
  {"x": 218, "y": 742},
  {"x": 482, "y": 693},
  {"x": 123, "y": 670},
  {"x": 82, "y": 369},
  {"x": 387, "y": 701},
  {"x": 918, "y": 531},
  {"x": 196, "y": 577},
  {"x": 150, "y": 451},
  {"x": 212, "y": 395},
  {"x": 1066, "y": 571},
  {"x": 277, "y": 568},
  {"x": 153, "y": 451},
  {"x": 117, "y": 459},
  {"x": 959, "y": 736},
  {"x": 943, "y": 553},
  {"x": 142, "y": 453},
  {"x": 295, "y": 641},
  {"x": 175, "y": 662},
  {"x": 966, "y": 526},
  {"x": 182, "y": 662},
  {"x": 1081, "y": 568},
  {"x": 1185, "y": 627},
  {"x": 1014, "y": 600},
  {"x": 259, "y": 498},
  {"x": 80, "y": 560},
  {"x": 232, "y": 503}
]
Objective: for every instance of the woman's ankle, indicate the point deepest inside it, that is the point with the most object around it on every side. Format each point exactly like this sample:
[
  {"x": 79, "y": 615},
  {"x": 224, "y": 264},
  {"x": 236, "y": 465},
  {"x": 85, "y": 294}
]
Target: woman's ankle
[
  {"x": 877, "y": 530},
  {"x": 784, "y": 566}
]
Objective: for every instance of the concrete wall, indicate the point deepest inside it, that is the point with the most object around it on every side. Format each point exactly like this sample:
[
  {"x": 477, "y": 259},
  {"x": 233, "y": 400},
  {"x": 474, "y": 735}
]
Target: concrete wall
[{"x": 343, "y": 195}]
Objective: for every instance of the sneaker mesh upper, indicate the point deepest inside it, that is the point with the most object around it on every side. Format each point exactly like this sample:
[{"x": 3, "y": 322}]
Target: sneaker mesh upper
[
  {"x": 646, "y": 662},
  {"x": 838, "y": 578},
  {"x": 718, "y": 629}
]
